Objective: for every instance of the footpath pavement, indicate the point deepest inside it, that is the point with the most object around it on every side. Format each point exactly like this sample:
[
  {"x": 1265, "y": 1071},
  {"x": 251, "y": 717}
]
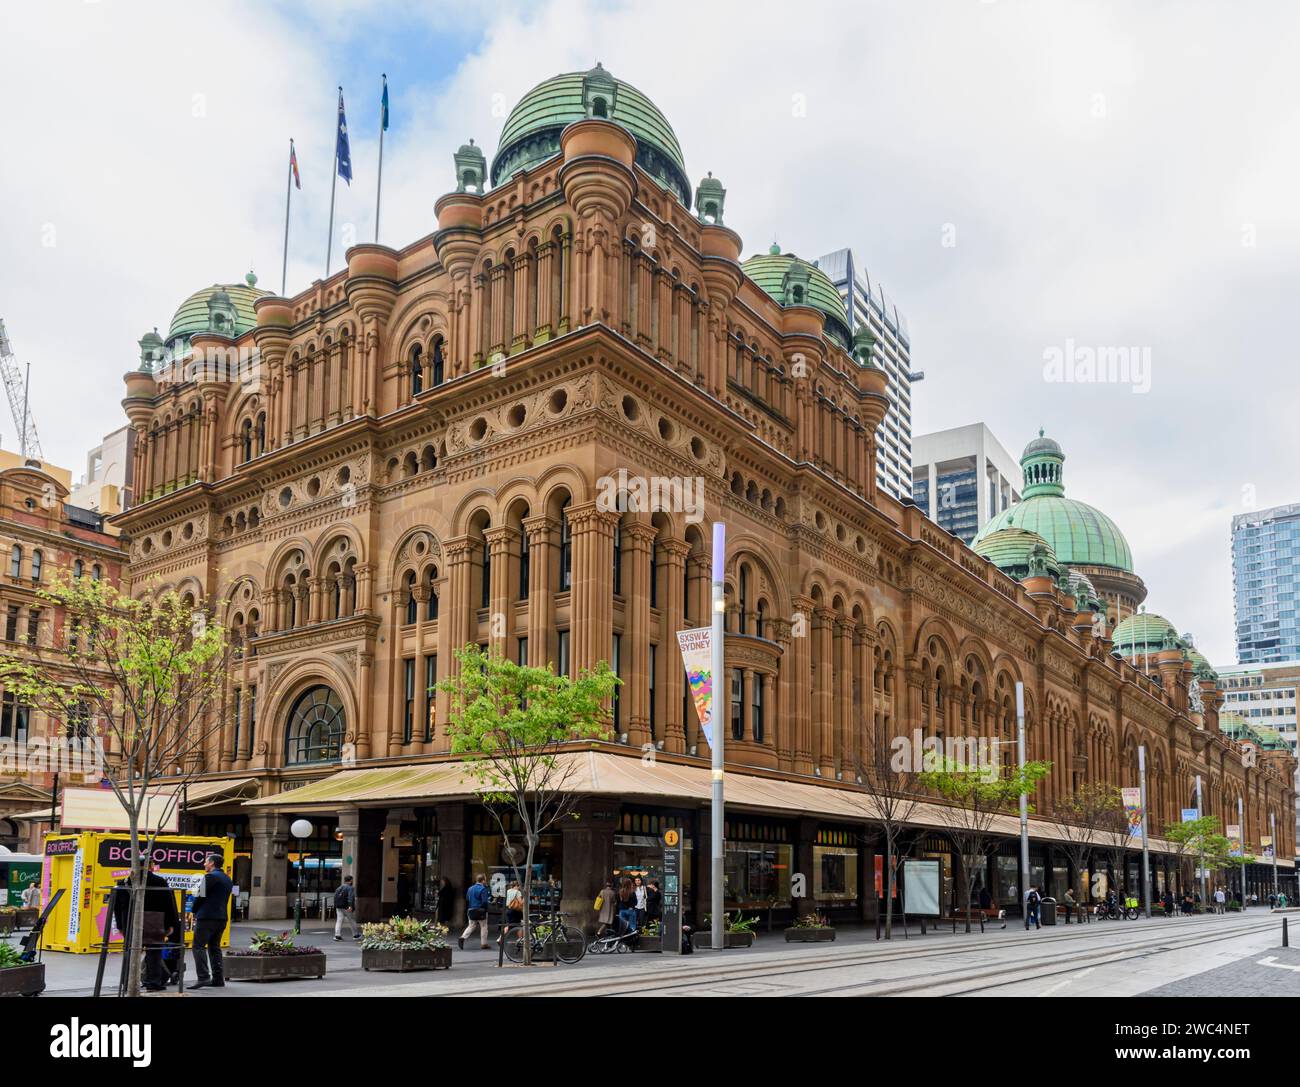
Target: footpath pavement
[{"x": 854, "y": 963}]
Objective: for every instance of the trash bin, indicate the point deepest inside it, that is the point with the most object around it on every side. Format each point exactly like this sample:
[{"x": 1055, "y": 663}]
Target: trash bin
[{"x": 1047, "y": 911}]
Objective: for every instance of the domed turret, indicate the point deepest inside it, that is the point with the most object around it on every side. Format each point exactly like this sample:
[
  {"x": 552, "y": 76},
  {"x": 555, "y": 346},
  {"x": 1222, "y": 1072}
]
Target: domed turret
[
  {"x": 532, "y": 131},
  {"x": 1013, "y": 550},
  {"x": 795, "y": 282},
  {"x": 1143, "y": 635},
  {"x": 223, "y": 308}
]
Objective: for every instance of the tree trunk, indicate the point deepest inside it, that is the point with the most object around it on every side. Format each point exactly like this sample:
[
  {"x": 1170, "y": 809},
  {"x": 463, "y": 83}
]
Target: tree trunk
[
  {"x": 136, "y": 936},
  {"x": 889, "y": 886},
  {"x": 965, "y": 875},
  {"x": 528, "y": 898}
]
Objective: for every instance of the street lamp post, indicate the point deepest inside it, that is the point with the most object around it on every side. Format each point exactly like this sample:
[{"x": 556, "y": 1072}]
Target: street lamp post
[
  {"x": 302, "y": 830},
  {"x": 719, "y": 725},
  {"x": 1024, "y": 803},
  {"x": 1201, "y": 839},
  {"x": 1272, "y": 836},
  {"x": 1146, "y": 853}
]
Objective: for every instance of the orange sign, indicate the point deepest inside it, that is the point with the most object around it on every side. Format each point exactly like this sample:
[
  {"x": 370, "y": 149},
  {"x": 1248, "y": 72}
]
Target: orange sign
[{"x": 671, "y": 837}]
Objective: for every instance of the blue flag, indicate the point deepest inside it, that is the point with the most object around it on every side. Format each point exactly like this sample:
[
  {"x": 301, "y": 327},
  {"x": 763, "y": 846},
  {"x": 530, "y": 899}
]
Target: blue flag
[
  {"x": 342, "y": 152},
  {"x": 383, "y": 106}
]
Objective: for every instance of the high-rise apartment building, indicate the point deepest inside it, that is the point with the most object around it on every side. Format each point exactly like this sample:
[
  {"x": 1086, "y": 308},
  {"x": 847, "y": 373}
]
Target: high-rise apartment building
[
  {"x": 1265, "y": 577},
  {"x": 865, "y": 303}
]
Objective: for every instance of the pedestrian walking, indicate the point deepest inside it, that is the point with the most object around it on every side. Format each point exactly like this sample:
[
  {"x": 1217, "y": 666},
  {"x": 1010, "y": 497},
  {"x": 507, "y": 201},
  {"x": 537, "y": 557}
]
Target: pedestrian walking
[
  {"x": 1032, "y": 901},
  {"x": 1070, "y": 904},
  {"x": 654, "y": 901},
  {"x": 32, "y": 897},
  {"x": 1220, "y": 900},
  {"x": 211, "y": 914},
  {"x": 639, "y": 889},
  {"x": 626, "y": 906},
  {"x": 445, "y": 906},
  {"x": 476, "y": 902},
  {"x": 345, "y": 909},
  {"x": 161, "y": 921},
  {"x": 606, "y": 907},
  {"x": 514, "y": 906}
]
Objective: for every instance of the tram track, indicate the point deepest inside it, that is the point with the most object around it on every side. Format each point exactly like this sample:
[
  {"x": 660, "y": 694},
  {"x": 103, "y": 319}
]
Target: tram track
[{"x": 944, "y": 983}]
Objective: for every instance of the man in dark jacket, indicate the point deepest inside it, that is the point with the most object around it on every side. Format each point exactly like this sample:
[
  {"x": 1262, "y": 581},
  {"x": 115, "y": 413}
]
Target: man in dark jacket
[
  {"x": 162, "y": 923},
  {"x": 211, "y": 912}
]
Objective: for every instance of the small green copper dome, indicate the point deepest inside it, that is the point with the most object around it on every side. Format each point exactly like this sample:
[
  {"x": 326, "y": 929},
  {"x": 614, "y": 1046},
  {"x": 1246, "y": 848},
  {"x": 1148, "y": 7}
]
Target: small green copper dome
[
  {"x": 193, "y": 315},
  {"x": 795, "y": 282},
  {"x": 1010, "y": 549},
  {"x": 1142, "y": 633},
  {"x": 1079, "y": 534},
  {"x": 532, "y": 131}
]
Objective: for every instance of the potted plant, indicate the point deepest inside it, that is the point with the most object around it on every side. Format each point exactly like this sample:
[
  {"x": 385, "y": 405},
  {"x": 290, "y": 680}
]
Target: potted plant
[
  {"x": 739, "y": 932},
  {"x": 27, "y": 918},
  {"x": 272, "y": 957},
  {"x": 811, "y": 928},
  {"x": 8, "y": 919},
  {"x": 650, "y": 938},
  {"x": 405, "y": 943},
  {"x": 16, "y": 976}
]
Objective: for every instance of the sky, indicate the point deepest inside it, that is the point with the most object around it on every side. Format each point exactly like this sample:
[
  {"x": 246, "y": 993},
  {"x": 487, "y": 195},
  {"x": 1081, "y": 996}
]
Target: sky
[{"x": 1033, "y": 184}]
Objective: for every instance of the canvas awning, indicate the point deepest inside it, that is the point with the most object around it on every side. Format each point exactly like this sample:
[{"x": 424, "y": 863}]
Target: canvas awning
[
  {"x": 605, "y": 773},
  {"x": 38, "y": 814},
  {"x": 207, "y": 794}
]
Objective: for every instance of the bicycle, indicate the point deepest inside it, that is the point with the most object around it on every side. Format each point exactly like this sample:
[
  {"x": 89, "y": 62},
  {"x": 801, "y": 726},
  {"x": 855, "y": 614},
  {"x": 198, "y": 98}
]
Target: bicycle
[
  {"x": 608, "y": 941},
  {"x": 566, "y": 943}
]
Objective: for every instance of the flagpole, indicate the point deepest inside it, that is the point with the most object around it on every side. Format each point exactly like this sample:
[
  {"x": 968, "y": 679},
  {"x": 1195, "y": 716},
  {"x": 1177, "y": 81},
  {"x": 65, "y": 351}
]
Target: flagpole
[
  {"x": 288, "y": 195},
  {"x": 379, "y": 184},
  {"x": 334, "y": 184}
]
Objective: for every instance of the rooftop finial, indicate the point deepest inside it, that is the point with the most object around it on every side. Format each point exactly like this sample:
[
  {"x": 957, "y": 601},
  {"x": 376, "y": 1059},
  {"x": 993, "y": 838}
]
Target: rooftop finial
[{"x": 1040, "y": 432}]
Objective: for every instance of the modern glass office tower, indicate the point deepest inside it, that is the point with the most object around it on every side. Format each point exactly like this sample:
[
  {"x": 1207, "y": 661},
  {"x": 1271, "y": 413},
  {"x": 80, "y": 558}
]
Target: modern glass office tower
[
  {"x": 946, "y": 470},
  {"x": 870, "y": 307},
  {"x": 1265, "y": 576}
]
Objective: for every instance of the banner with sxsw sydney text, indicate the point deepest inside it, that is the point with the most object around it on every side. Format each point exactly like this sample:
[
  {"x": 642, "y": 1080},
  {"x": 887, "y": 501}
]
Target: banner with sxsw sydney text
[{"x": 697, "y": 655}]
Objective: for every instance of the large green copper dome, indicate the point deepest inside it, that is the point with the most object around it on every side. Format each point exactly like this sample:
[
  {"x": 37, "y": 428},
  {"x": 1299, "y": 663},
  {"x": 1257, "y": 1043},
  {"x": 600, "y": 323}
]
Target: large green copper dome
[
  {"x": 532, "y": 131},
  {"x": 795, "y": 282},
  {"x": 1011, "y": 548},
  {"x": 1079, "y": 534},
  {"x": 1142, "y": 633}
]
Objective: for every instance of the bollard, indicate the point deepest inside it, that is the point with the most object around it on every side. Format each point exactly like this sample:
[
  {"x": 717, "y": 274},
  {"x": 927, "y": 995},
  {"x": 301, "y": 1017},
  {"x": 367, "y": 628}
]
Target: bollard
[{"x": 1285, "y": 942}]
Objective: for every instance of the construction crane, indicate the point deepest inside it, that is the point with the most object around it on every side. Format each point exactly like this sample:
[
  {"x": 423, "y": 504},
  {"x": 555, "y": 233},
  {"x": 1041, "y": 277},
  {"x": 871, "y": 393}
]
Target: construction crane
[{"x": 29, "y": 445}]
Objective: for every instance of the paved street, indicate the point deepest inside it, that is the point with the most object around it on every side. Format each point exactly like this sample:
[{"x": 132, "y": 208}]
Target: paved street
[{"x": 1204, "y": 955}]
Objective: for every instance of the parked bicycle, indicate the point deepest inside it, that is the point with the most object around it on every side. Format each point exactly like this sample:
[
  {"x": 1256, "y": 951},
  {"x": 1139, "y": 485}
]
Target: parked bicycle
[
  {"x": 609, "y": 941},
  {"x": 565, "y": 942}
]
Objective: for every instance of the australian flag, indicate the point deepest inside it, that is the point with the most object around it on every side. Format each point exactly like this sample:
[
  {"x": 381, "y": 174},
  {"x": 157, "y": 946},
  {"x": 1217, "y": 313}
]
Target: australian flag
[{"x": 342, "y": 152}]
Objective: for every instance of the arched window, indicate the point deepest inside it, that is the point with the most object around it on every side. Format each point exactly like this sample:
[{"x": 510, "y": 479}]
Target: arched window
[
  {"x": 246, "y": 441},
  {"x": 566, "y": 549},
  {"x": 411, "y": 603},
  {"x": 417, "y": 370},
  {"x": 37, "y": 558},
  {"x": 316, "y": 727},
  {"x": 260, "y": 433},
  {"x": 78, "y": 568},
  {"x": 95, "y": 572},
  {"x": 437, "y": 366},
  {"x": 16, "y": 562}
]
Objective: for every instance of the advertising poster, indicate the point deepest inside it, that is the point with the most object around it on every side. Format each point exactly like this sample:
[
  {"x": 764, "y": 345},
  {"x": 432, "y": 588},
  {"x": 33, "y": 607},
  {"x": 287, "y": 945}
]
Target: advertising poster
[
  {"x": 1234, "y": 840},
  {"x": 697, "y": 656},
  {"x": 1266, "y": 844},
  {"x": 1133, "y": 811},
  {"x": 921, "y": 888},
  {"x": 1190, "y": 815}
]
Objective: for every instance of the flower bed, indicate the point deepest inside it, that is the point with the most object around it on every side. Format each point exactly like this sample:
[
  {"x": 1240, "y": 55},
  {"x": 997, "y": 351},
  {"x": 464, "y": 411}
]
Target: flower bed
[
  {"x": 403, "y": 944},
  {"x": 812, "y": 928},
  {"x": 272, "y": 958},
  {"x": 18, "y": 978},
  {"x": 739, "y": 933}
]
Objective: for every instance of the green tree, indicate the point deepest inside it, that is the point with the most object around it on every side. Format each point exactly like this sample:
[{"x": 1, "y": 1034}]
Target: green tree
[
  {"x": 139, "y": 678},
  {"x": 514, "y": 725},
  {"x": 975, "y": 796},
  {"x": 1079, "y": 817}
]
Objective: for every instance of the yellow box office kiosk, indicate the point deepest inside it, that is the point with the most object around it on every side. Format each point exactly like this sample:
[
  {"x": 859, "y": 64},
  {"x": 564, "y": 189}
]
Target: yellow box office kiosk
[{"x": 87, "y": 867}]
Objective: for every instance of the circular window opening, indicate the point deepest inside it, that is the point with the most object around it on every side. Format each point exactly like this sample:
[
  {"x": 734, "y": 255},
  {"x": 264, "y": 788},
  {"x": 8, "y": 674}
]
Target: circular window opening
[
  {"x": 840, "y": 533},
  {"x": 821, "y": 521},
  {"x": 515, "y": 417},
  {"x": 345, "y": 474},
  {"x": 697, "y": 448},
  {"x": 313, "y": 487},
  {"x": 187, "y": 532},
  {"x": 558, "y": 401},
  {"x": 666, "y": 429},
  {"x": 167, "y": 538},
  {"x": 286, "y": 496},
  {"x": 147, "y": 546},
  {"x": 631, "y": 409},
  {"x": 478, "y": 429}
]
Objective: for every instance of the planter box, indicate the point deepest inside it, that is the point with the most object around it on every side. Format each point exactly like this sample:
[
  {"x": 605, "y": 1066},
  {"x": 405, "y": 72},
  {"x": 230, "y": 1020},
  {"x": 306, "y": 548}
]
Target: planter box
[
  {"x": 653, "y": 944},
  {"x": 703, "y": 941},
  {"x": 273, "y": 967},
  {"x": 26, "y": 980},
  {"x": 809, "y": 935},
  {"x": 27, "y": 918},
  {"x": 404, "y": 959},
  {"x": 8, "y": 922}
]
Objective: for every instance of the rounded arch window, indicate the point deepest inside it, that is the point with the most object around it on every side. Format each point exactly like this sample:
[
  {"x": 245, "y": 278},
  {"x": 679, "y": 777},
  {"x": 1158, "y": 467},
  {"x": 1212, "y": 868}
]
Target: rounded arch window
[{"x": 316, "y": 727}]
